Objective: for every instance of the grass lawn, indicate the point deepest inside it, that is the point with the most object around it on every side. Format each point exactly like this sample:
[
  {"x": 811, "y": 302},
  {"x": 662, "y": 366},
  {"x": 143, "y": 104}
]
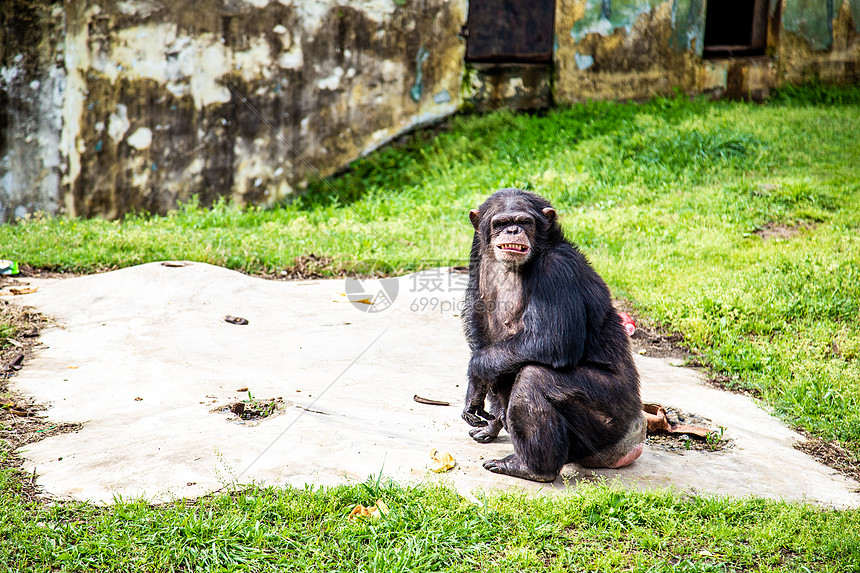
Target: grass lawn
[
  {"x": 734, "y": 224},
  {"x": 429, "y": 529}
]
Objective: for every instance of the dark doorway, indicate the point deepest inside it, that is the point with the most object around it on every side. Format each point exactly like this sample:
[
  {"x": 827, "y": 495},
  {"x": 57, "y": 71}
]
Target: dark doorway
[
  {"x": 510, "y": 31},
  {"x": 735, "y": 28}
]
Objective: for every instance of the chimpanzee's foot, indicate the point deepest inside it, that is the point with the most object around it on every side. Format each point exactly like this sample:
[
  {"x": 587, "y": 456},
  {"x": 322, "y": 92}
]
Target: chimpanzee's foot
[
  {"x": 483, "y": 435},
  {"x": 513, "y": 466},
  {"x": 488, "y": 433}
]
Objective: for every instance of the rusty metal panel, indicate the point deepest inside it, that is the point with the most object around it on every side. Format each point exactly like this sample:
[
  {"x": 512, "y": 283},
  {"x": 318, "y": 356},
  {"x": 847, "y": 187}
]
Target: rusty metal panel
[{"x": 510, "y": 30}]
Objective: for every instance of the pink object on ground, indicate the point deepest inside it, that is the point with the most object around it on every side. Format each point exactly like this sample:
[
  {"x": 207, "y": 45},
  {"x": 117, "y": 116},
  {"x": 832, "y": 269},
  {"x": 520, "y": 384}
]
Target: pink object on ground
[{"x": 627, "y": 322}]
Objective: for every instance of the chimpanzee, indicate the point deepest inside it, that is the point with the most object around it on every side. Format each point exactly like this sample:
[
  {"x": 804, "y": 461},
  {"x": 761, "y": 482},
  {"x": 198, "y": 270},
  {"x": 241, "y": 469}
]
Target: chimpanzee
[{"x": 549, "y": 351}]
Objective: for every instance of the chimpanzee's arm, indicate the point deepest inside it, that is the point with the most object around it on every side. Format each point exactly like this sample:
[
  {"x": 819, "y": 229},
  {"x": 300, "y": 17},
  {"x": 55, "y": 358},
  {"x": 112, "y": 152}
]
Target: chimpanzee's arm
[
  {"x": 554, "y": 322},
  {"x": 476, "y": 393},
  {"x": 473, "y": 409}
]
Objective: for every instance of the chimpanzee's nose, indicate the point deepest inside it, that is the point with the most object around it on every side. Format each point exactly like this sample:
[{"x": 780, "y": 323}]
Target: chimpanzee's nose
[{"x": 513, "y": 230}]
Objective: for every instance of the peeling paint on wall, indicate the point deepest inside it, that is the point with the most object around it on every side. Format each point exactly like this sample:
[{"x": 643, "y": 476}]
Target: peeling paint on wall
[
  {"x": 32, "y": 86},
  {"x": 855, "y": 13},
  {"x": 110, "y": 106},
  {"x": 583, "y": 61},
  {"x": 688, "y": 25},
  {"x": 605, "y": 16},
  {"x": 619, "y": 49},
  {"x": 639, "y": 49},
  {"x": 418, "y": 85}
]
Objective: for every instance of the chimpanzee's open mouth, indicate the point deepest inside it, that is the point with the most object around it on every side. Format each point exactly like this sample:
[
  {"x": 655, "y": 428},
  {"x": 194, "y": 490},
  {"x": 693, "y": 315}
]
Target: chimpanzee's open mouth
[{"x": 513, "y": 247}]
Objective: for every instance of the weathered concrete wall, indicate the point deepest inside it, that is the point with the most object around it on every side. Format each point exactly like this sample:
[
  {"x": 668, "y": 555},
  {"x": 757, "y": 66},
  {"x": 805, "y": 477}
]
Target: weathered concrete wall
[
  {"x": 820, "y": 39},
  {"x": 32, "y": 83},
  {"x": 635, "y": 49},
  {"x": 632, "y": 49},
  {"x": 161, "y": 100},
  {"x": 522, "y": 86}
]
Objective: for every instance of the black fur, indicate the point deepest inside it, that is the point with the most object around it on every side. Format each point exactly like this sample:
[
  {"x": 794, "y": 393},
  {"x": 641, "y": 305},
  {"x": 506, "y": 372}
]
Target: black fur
[{"x": 561, "y": 379}]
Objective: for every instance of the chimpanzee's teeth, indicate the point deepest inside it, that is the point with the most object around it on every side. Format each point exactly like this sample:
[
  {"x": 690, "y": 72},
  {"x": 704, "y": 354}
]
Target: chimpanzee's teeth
[{"x": 513, "y": 247}]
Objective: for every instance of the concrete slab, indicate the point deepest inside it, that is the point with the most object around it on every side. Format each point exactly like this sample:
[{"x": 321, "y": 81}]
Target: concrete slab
[{"x": 141, "y": 356}]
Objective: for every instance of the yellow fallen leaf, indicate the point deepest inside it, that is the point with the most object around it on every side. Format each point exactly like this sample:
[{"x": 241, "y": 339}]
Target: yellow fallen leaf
[
  {"x": 358, "y": 511},
  {"x": 367, "y": 301},
  {"x": 373, "y": 512},
  {"x": 442, "y": 461}
]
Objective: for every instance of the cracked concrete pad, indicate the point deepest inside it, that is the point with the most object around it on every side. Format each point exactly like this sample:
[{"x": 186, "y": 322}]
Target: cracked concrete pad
[{"x": 143, "y": 355}]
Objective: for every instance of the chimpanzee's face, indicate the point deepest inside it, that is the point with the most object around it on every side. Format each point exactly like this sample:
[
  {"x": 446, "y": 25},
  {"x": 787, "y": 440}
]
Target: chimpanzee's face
[
  {"x": 511, "y": 228},
  {"x": 512, "y": 237}
]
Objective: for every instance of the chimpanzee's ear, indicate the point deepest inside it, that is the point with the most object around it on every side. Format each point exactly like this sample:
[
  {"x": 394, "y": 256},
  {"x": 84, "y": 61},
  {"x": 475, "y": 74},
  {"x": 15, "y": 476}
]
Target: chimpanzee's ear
[
  {"x": 549, "y": 213},
  {"x": 475, "y": 217}
]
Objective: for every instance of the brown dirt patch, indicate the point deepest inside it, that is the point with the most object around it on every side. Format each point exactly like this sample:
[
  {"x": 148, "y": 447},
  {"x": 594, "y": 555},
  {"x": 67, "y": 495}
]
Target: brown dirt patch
[
  {"x": 780, "y": 231},
  {"x": 35, "y": 272},
  {"x": 252, "y": 411},
  {"x": 722, "y": 382},
  {"x": 654, "y": 341},
  {"x": 650, "y": 342},
  {"x": 830, "y": 454},
  {"x": 21, "y": 419},
  {"x": 311, "y": 266}
]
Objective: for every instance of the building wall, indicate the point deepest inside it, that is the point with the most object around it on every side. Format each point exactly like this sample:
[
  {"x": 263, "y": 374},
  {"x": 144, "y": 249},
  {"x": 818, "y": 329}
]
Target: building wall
[
  {"x": 635, "y": 49},
  {"x": 32, "y": 85},
  {"x": 130, "y": 106},
  {"x": 629, "y": 49},
  {"x": 110, "y": 106},
  {"x": 819, "y": 39}
]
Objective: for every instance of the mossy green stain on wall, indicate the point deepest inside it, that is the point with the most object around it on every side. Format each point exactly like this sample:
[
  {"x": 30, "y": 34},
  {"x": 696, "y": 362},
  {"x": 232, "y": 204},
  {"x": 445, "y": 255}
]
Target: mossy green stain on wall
[
  {"x": 813, "y": 20},
  {"x": 418, "y": 86},
  {"x": 605, "y": 16}
]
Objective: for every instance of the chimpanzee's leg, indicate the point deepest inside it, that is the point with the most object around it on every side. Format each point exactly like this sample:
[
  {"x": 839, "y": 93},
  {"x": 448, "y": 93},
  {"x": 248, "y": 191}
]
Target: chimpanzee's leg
[
  {"x": 555, "y": 417},
  {"x": 610, "y": 433},
  {"x": 538, "y": 432},
  {"x": 623, "y": 452}
]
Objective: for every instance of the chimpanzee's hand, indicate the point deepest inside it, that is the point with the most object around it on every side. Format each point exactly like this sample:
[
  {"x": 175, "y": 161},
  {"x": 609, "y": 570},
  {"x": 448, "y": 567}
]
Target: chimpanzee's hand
[
  {"x": 476, "y": 393},
  {"x": 473, "y": 415},
  {"x": 474, "y": 410}
]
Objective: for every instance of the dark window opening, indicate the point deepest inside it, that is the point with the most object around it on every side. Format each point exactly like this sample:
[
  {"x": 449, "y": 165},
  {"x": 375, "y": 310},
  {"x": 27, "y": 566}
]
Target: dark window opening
[
  {"x": 735, "y": 28},
  {"x": 510, "y": 31}
]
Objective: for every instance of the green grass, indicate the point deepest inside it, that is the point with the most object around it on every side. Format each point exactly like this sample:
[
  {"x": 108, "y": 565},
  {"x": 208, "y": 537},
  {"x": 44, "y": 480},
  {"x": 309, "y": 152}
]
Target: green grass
[
  {"x": 666, "y": 199},
  {"x": 430, "y": 528}
]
